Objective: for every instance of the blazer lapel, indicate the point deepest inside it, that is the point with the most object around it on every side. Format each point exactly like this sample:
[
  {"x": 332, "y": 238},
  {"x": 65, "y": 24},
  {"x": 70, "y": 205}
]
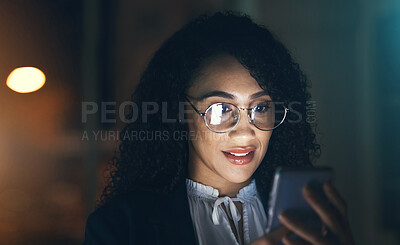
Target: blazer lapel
[
  {"x": 185, "y": 224},
  {"x": 172, "y": 219}
]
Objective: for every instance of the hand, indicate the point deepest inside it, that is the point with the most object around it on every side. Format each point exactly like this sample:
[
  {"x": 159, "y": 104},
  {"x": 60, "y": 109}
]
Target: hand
[
  {"x": 333, "y": 217},
  {"x": 273, "y": 237}
]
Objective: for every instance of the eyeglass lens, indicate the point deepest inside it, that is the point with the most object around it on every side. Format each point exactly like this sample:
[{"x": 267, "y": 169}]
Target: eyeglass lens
[{"x": 222, "y": 117}]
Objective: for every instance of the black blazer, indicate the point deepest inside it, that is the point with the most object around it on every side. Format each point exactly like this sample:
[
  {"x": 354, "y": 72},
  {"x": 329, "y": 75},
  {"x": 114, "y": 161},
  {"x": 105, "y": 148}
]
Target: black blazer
[{"x": 143, "y": 218}]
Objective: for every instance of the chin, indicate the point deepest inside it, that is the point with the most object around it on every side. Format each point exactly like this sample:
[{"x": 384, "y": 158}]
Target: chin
[{"x": 238, "y": 179}]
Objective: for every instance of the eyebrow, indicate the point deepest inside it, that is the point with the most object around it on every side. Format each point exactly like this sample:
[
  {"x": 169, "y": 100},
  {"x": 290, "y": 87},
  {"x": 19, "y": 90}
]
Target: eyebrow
[{"x": 218, "y": 93}]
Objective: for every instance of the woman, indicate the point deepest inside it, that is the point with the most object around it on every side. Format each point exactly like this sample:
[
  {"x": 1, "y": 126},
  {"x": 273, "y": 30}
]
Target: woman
[{"x": 205, "y": 178}]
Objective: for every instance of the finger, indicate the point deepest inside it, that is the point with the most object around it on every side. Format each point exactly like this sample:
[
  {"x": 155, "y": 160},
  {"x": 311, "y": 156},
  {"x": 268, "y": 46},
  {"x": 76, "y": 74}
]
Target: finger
[
  {"x": 324, "y": 211},
  {"x": 287, "y": 240},
  {"x": 304, "y": 231},
  {"x": 273, "y": 237},
  {"x": 335, "y": 198}
]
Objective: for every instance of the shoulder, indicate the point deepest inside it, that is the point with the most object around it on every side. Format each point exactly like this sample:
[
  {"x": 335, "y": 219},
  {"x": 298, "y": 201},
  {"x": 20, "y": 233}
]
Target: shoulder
[
  {"x": 134, "y": 218},
  {"x": 127, "y": 204},
  {"x": 120, "y": 208},
  {"x": 114, "y": 222}
]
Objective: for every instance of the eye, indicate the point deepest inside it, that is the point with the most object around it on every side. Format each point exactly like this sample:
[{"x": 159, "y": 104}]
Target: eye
[
  {"x": 221, "y": 109},
  {"x": 225, "y": 108},
  {"x": 261, "y": 108}
]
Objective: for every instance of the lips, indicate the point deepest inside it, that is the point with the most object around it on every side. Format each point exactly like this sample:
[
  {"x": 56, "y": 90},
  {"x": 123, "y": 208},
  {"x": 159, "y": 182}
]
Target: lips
[{"x": 240, "y": 156}]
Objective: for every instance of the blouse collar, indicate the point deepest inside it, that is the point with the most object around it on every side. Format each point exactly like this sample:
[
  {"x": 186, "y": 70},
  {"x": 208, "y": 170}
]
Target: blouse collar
[
  {"x": 246, "y": 193},
  {"x": 195, "y": 188}
]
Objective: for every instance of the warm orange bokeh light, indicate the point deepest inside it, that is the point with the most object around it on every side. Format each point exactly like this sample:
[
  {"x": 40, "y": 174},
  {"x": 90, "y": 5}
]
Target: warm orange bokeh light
[{"x": 26, "y": 79}]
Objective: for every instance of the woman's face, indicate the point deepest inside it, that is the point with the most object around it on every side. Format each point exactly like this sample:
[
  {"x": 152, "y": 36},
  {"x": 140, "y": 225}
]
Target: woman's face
[{"x": 212, "y": 155}]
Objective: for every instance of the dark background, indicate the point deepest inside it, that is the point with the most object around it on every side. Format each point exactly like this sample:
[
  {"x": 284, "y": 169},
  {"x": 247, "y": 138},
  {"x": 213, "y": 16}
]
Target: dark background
[{"x": 50, "y": 173}]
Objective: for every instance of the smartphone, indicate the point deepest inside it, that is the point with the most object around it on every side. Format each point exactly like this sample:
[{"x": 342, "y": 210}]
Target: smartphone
[{"x": 286, "y": 194}]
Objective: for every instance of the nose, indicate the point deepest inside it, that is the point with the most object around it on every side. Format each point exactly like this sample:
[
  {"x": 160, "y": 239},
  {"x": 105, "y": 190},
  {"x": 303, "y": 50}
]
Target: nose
[{"x": 244, "y": 128}]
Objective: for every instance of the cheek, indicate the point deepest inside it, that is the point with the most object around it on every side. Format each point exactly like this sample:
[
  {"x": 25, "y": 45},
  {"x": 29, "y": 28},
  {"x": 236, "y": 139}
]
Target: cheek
[
  {"x": 205, "y": 142},
  {"x": 264, "y": 138},
  {"x": 197, "y": 131}
]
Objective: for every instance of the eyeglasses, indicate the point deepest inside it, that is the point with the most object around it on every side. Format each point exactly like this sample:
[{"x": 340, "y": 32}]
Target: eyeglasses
[{"x": 223, "y": 117}]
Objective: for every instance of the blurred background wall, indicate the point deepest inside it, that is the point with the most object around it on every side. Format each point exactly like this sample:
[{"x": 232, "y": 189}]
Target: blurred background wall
[{"x": 52, "y": 161}]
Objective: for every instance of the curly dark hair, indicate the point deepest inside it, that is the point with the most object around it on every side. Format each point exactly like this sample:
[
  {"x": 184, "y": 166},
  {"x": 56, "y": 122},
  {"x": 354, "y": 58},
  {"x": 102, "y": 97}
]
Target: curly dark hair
[{"x": 156, "y": 164}]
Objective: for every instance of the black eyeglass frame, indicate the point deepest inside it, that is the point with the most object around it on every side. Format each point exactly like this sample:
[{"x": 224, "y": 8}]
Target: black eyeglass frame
[{"x": 203, "y": 114}]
